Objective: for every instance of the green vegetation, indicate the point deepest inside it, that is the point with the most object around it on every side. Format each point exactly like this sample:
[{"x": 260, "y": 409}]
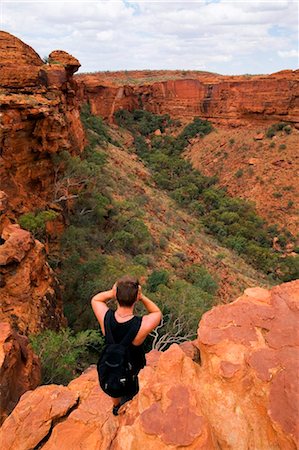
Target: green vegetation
[
  {"x": 234, "y": 222},
  {"x": 107, "y": 238},
  {"x": 281, "y": 126},
  {"x": 156, "y": 279},
  {"x": 36, "y": 222},
  {"x": 64, "y": 354},
  {"x": 239, "y": 173}
]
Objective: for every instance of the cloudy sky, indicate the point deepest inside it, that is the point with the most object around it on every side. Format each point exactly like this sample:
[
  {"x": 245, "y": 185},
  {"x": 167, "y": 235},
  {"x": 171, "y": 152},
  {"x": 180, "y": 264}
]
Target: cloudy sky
[{"x": 228, "y": 37}]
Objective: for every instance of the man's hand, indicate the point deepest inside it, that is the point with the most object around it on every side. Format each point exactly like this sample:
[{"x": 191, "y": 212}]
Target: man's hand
[
  {"x": 139, "y": 295},
  {"x": 114, "y": 290}
]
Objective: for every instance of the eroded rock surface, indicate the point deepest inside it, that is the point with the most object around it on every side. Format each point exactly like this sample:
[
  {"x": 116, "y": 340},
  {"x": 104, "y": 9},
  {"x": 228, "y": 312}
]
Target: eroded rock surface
[
  {"x": 250, "y": 370},
  {"x": 19, "y": 369},
  {"x": 39, "y": 117},
  {"x": 30, "y": 297},
  {"x": 234, "y": 100},
  {"x": 243, "y": 395}
]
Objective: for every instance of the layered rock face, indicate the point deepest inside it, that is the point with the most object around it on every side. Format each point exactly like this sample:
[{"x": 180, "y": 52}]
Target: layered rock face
[
  {"x": 235, "y": 100},
  {"x": 19, "y": 368},
  {"x": 30, "y": 297},
  {"x": 39, "y": 117},
  {"x": 242, "y": 395}
]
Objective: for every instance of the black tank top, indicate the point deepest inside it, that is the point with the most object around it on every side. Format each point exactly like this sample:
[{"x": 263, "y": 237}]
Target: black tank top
[{"x": 119, "y": 330}]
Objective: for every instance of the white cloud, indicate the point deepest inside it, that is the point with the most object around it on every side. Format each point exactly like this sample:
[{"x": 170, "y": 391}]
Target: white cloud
[
  {"x": 227, "y": 37},
  {"x": 288, "y": 54}
]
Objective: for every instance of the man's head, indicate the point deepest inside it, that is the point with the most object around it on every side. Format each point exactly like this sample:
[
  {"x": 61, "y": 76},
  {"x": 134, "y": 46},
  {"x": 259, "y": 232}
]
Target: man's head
[{"x": 127, "y": 290}]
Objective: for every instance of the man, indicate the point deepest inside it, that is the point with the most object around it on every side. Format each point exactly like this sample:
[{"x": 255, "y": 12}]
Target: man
[{"x": 120, "y": 323}]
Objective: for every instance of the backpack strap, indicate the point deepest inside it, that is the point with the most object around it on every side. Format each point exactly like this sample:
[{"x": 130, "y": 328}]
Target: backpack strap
[
  {"x": 130, "y": 336},
  {"x": 107, "y": 325}
]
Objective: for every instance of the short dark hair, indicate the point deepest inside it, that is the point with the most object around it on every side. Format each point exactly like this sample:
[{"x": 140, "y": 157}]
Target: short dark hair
[{"x": 127, "y": 290}]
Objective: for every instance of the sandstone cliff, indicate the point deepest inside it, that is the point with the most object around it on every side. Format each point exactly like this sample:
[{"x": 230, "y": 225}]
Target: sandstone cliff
[
  {"x": 19, "y": 369},
  {"x": 233, "y": 100},
  {"x": 30, "y": 296},
  {"x": 241, "y": 395},
  {"x": 39, "y": 117}
]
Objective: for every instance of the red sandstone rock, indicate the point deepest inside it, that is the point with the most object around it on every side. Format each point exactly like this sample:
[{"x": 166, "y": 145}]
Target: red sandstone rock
[
  {"x": 32, "y": 418},
  {"x": 39, "y": 117},
  {"x": 250, "y": 371},
  {"x": 19, "y": 369},
  {"x": 19, "y": 63},
  {"x": 259, "y": 137},
  {"x": 234, "y": 100},
  {"x": 30, "y": 297},
  {"x": 68, "y": 61}
]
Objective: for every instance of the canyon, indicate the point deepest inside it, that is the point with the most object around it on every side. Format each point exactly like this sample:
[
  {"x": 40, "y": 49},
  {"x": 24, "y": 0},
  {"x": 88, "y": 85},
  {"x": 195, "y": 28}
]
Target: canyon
[
  {"x": 234, "y": 386},
  {"x": 225, "y": 100},
  {"x": 241, "y": 108}
]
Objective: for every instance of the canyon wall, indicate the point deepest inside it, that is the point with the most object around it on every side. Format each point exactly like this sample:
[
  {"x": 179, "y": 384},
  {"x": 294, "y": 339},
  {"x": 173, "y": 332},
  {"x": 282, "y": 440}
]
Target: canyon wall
[
  {"x": 235, "y": 100},
  {"x": 39, "y": 117},
  {"x": 20, "y": 369},
  {"x": 240, "y": 394}
]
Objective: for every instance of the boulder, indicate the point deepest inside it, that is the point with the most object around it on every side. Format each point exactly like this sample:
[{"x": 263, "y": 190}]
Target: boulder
[{"x": 69, "y": 62}]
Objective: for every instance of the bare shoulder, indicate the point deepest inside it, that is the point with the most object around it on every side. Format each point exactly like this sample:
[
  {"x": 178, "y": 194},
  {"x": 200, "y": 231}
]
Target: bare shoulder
[
  {"x": 149, "y": 323},
  {"x": 100, "y": 310}
]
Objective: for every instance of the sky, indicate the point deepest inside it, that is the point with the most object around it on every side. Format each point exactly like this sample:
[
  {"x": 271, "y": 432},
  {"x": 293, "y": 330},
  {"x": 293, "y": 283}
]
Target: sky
[{"x": 226, "y": 37}]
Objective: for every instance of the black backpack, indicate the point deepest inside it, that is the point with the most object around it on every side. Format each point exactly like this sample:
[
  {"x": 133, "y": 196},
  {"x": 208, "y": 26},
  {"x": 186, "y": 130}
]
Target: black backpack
[{"x": 115, "y": 371}]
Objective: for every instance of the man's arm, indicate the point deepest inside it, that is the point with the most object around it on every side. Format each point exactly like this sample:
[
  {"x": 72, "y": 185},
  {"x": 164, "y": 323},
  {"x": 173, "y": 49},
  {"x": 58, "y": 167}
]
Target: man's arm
[
  {"x": 150, "y": 320},
  {"x": 98, "y": 303}
]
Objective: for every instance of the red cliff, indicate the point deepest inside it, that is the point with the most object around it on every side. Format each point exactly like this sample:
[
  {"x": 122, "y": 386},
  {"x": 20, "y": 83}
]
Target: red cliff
[
  {"x": 233, "y": 100},
  {"x": 19, "y": 368},
  {"x": 39, "y": 117}
]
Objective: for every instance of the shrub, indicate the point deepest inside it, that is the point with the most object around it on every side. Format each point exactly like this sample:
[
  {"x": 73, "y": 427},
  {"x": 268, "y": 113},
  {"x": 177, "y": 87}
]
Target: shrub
[
  {"x": 64, "y": 354},
  {"x": 197, "y": 127},
  {"x": 94, "y": 123},
  {"x": 239, "y": 173},
  {"x": 277, "y": 194},
  {"x": 200, "y": 277},
  {"x": 270, "y": 132},
  {"x": 282, "y": 147},
  {"x": 36, "y": 222},
  {"x": 156, "y": 278}
]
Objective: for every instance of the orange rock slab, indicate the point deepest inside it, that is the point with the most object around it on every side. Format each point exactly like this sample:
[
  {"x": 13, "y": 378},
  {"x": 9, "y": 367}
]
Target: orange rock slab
[
  {"x": 250, "y": 369},
  {"x": 34, "y": 415}
]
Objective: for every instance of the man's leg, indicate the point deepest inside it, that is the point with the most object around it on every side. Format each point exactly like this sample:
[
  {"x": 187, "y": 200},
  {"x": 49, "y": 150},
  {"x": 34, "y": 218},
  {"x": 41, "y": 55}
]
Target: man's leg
[
  {"x": 116, "y": 406},
  {"x": 115, "y": 401}
]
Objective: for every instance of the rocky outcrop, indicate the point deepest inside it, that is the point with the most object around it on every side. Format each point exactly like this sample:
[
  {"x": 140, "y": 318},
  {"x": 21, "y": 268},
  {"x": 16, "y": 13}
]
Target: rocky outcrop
[
  {"x": 39, "y": 117},
  {"x": 233, "y": 100},
  {"x": 30, "y": 297},
  {"x": 242, "y": 394},
  {"x": 19, "y": 369},
  {"x": 250, "y": 369}
]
